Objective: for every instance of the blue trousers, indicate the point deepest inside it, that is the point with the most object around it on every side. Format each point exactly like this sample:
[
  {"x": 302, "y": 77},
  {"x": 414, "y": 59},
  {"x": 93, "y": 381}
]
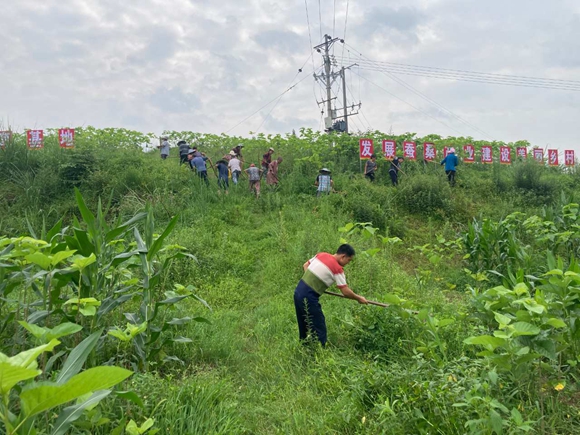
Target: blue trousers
[{"x": 309, "y": 313}]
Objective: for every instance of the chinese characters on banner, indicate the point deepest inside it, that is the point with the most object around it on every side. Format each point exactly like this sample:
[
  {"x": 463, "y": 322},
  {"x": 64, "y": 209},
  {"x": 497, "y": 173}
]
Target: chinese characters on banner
[
  {"x": 35, "y": 139},
  {"x": 486, "y": 156},
  {"x": 569, "y": 157},
  {"x": 553, "y": 157},
  {"x": 66, "y": 137},
  {"x": 410, "y": 150},
  {"x": 389, "y": 149},
  {"x": 522, "y": 152},
  {"x": 505, "y": 155},
  {"x": 5, "y": 137},
  {"x": 429, "y": 151},
  {"x": 539, "y": 154},
  {"x": 469, "y": 151},
  {"x": 365, "y": 148}
]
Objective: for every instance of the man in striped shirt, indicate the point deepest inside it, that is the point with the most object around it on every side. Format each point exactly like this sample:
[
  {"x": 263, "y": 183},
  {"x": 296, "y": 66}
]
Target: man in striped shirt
[{"x": 320, "y": 272}]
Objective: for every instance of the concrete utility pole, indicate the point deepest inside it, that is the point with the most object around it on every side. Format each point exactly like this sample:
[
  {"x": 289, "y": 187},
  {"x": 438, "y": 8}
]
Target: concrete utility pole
[
  {"x": 343, "y": 74},
  {"x": 328, "y": 78}
]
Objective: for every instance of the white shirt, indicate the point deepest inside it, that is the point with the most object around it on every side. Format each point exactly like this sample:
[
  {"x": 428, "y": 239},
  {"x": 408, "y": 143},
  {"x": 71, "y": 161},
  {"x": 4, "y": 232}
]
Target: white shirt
[{"x": 234, "y": 165}]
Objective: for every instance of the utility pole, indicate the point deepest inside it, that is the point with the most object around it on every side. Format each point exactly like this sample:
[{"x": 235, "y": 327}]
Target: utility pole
[
  {"x": 344, "y": 100},
  {"x": 328, "y": 78}
]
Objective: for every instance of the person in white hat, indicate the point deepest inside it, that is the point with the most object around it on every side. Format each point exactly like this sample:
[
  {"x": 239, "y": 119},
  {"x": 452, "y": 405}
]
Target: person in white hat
[
  {"x": 164, "y": 147},
  {"x": 266, "y": 160},
  {"x": 235, "y": 166},
  {"x": 450, "y": 161}
]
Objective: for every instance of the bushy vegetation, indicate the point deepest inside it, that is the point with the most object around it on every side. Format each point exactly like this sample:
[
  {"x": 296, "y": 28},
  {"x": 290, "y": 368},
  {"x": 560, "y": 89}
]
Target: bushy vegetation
[{"x": 114, "y": 262}]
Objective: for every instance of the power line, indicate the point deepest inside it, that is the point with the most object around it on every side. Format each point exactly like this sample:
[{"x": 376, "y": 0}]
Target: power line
[
  {"x": 360, "y": 108},
  {"x": 345, "y": 22},
  {"x": 334, "y": 20},
  {"x": 429, "y": 100},
  {"x": 466, "y": 72},
  {"x": 320, "y": 19},
  {"x": 309, "y": 35},
  {"x": 408, "y": 104},
  {"x": 512, "y": 81},
  {"x": 276, "y": 98}
]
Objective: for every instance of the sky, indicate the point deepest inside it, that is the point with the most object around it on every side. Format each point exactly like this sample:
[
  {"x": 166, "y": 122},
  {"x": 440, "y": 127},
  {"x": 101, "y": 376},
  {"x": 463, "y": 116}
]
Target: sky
[{"x": 205, "y": 66}]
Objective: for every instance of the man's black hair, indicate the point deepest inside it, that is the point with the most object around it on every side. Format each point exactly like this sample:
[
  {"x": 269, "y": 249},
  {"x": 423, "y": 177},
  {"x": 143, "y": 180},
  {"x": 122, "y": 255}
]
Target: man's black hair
[{"x": 346, "y": 249}]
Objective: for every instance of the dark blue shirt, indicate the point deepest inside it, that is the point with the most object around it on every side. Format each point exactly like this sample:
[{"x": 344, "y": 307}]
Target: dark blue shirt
[
  {"x": 222, "y": 169},
  {"x": 450, "y": 162}
]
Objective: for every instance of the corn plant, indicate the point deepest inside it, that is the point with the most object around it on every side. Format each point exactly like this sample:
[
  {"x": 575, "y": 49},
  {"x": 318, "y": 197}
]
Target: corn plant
[{"x": 25, "y": 400}]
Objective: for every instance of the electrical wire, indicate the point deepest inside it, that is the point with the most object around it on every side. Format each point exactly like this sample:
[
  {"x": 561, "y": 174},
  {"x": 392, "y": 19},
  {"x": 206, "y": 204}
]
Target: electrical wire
[
  {"x": 309, "y": 35},
  {"x": 360, "y": 108},
  {"x": 408, "y": 104},
  {"x": 429, "y": 100},
  {"x": 512, "y": 81},
  {"x": 320, "y": 18},
  {"x": 277, "y": 97},
  {"x": 345, "y": 23},
  {"x": 334, "y": 20}
]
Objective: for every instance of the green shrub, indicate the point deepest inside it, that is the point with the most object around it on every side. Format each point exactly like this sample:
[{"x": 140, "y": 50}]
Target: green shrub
[{"x": 426, "y": 195}]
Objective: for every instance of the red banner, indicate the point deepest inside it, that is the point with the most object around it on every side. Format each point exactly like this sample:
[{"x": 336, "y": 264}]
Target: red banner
[
  {"x": 505, "y": 155},
  {"x": 486, "y": 154},
  {"x": 66, "y": 137},
  {"x": 35, "y": 139},
  {"x": 522, "y": 152},
  {"x": 410, "y": 150},
  {"x": 389, "y": 149},
  {"x": 539, "y": 154},
  {"x": 429, "y": 151},
  {"x": 553, "y": 157},
  {"x": 366, "y": 148},
  {"x": 446, "y": 151},
  {"x": 469, "y": 151},
  {"x": 569, "y": 157},
  {"x": 5, "y": 137}
]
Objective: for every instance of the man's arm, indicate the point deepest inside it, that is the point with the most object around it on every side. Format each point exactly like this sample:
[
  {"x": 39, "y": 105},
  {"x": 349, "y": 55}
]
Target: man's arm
[
  {"x": 348, "y": 293},
  {"x": 305, "y": 265}
]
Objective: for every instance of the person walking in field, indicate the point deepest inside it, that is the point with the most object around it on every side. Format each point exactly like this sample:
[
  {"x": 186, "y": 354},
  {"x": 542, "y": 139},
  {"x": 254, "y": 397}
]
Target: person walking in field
[
  {"x": 183, "y": 151},
  {"x": 164, "y": 147},
  {"x": 266, "y": 160},
  {"x": 272, "y": 175},
  {"x": 394, "y": 169},
  {"x": 254, "y": 177},
  {"x": 235, "y": 167},
  {"x": 223, "y": 175},
  {"x": 200, "y": 166},
  {"x": 450, "y": 161},
  {"x": 324, "y": 182},
  {"x": 320, "y": 272},
  {"x": 238, "y": 151},
  {"x": 371, "y": 168}
]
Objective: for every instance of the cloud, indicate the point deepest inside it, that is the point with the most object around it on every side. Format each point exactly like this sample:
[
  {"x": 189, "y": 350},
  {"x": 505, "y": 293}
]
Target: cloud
[{"x": 207, "y": 65}]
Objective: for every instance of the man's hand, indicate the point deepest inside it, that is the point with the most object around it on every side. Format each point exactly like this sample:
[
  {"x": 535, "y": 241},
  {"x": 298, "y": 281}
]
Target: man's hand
[{"x": 362, "y": 300}]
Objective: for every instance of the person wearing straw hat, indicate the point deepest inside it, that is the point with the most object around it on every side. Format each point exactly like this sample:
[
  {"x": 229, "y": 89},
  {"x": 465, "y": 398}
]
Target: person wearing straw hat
[
  {"x": 324, "y": 182},
  {"x": 450, "y": 161},
  {"x": 164, "y": 147}
]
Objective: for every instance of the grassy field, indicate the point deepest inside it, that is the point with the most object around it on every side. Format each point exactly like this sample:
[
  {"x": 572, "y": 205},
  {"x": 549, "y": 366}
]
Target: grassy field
[{"x": 423, "y": 247}]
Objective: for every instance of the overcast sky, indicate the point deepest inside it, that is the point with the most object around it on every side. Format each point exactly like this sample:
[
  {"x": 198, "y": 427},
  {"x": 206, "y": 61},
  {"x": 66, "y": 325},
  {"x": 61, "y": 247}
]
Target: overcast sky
[{"x": 205, "y": 65}]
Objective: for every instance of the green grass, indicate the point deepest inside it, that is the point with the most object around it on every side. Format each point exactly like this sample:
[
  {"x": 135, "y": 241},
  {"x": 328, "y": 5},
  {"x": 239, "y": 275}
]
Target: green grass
[{"x": 246, "y": 372}]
